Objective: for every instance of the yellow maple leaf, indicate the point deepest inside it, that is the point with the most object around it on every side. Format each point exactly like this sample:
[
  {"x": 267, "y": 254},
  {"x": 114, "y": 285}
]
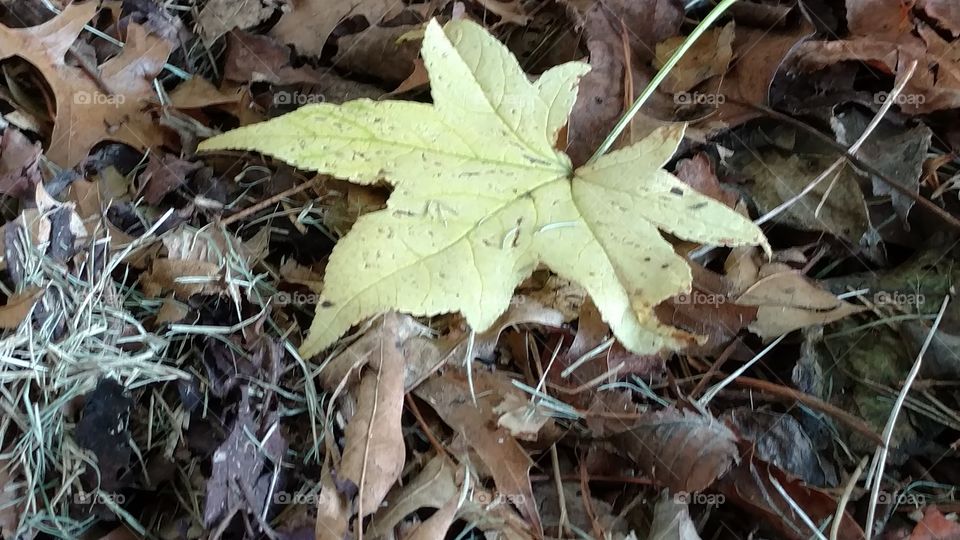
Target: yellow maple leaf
[{"x": 482, "y": 196}]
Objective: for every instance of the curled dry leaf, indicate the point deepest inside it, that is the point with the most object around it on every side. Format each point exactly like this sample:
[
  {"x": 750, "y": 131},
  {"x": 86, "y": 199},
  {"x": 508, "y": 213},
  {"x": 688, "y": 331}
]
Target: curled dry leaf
[
  {"x": 785, "y": 298},
  {"x": 374, "y": 452},
  {"x": 435, "y": 483},
  {"x": 88, "y": 112},
  {"x": 679, "y": 449}
]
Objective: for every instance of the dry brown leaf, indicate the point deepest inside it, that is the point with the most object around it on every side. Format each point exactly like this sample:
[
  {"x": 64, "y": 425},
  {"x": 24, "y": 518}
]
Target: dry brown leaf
[
  {"x": 671, "y": 521},
  {"x": 171, "y": 311},
  {"x": 437, "y": 525},
  {"x": 374, "y": 451},
  {"x": 679, "y": 449},
  {"x": 220, "y": 16},
  {"x": 324, "y": 16},
  {"x": 18, "y": 307},
  {"x": 164, "y": 173},
  {"x": 509, "y": 465},
  {"x": 333, "y": 511},
  {"x": 699, "y": 174},
  {"x": 19, "y": 163},
  {"x": 945, "y": 12},
  {"x": 509, "y": 11},
  {"x": 785, "y": 298},
  {"x": 710, "y": 56},
  {"x": 435, "y": 483},
  {"x": 379, "y": 52},
  {"x": 750, "y": 486},
  {"x": 88, "y": 112},
  {"x": 198, "y": 92},
  {"x": 602, "y": 97},
  {"x": 349, "y": 362},
  {"x": 759, "y": 53}
]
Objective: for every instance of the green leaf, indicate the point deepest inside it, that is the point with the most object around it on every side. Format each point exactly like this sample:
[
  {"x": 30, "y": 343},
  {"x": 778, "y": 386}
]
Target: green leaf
[{"x": 482, "y": 196}]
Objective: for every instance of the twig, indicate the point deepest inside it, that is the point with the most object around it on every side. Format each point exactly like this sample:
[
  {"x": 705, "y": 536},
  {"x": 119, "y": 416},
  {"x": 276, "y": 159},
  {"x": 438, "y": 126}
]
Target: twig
[
  {"x": 712, "y": 391},
  {"x": 815, "y": 403},
  {"x": 845, "y": 498},
  {"x": 881, "y": 455},
  {"x": 243, "y": 214}
]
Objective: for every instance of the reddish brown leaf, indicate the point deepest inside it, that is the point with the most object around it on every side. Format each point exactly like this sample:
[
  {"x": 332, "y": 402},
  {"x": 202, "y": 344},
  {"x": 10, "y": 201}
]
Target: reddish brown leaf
[
  {"x": 681, "y": 450},
  {"x": 750, "y": 485}
]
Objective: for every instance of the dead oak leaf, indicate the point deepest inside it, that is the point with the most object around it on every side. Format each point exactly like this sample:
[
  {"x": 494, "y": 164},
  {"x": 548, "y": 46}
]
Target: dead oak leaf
[
  {"x": 324, "y": 16},
  {"x": 88, "y": 112}
]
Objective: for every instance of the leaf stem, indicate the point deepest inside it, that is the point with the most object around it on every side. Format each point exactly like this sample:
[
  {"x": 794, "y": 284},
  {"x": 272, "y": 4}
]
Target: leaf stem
[{"x": 659, "y": 78}]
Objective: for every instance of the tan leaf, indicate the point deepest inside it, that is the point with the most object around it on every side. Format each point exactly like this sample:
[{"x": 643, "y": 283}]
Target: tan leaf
[
  {"x": 710, "y": 56},
  {"x": 437, "y": 525},
  {"x": 374, "y": 452},
  {"x": 788, "y": 301},
  {"x": 171, "y": 311},
  {"x": 18, "y": 307},
  {"x": 433, "y": 485},
  {"x": 220, "y": 16}
]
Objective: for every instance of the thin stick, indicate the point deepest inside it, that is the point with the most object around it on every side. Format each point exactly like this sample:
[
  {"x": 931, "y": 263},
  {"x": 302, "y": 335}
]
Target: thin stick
[
  {"x": 810, "y": 401},
  {"x": 659, "y": 78},
  {"x": 243, "y": 214},
  {"x": 845, "y": 498},
  {"x": 881, "y": 456},
  {"x": 712, "y": 391}
]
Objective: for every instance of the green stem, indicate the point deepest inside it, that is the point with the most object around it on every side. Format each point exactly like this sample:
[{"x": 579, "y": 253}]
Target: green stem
[{"x": 659, "y": 77}]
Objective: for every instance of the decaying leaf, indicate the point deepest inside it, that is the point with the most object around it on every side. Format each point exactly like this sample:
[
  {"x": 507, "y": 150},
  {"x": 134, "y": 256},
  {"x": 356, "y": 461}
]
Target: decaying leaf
[
  {"x": 18, "y": 307},
  {"x": 681, "y": 450},
  {"x": 482, "y": 196},
  {"x": 434, "y": 484}
]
